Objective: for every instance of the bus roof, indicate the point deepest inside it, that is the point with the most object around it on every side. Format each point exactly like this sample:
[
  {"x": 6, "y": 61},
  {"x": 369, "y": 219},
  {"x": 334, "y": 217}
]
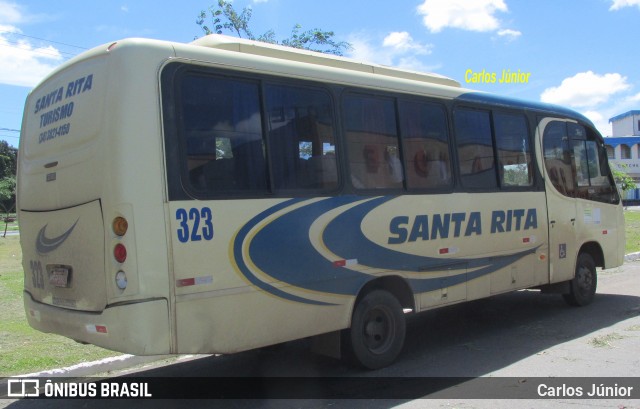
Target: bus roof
[
  {"x": 508, "y": 102},
  {"x": 241, "y": 45}
]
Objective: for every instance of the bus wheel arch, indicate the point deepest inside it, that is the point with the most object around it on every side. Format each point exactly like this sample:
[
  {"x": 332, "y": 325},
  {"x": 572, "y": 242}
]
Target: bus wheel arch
[
  {"x": 595, "y": 251},
  {"x": 397, "y": 286},
  {"x": 376, "y": 335}
]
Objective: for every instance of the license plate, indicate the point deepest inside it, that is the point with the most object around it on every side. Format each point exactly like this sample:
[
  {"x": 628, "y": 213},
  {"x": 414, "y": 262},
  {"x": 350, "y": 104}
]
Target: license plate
[{"x": 59, "y": 277}]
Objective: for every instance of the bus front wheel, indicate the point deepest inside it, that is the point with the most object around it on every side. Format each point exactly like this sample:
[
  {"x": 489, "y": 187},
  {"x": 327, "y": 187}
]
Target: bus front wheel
[
  {"x": 582, "y": 288},
  {"x": 377, "y": 332}
]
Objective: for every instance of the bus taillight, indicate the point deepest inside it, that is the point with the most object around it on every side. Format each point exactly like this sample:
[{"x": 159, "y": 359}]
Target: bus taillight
[
  {"x": 121, "y": 280},
  {"x": 120, "y": 253},
  {"x": 120, "y": 226}
]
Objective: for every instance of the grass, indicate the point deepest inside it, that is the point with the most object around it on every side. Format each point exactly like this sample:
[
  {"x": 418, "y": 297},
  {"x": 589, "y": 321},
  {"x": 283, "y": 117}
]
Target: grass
[
  {"x": 605, "y": 341},
  {"x": 11, "y": 225},
  {"x": 632, "y": 229},
  {"x": 23, "y": 349}
]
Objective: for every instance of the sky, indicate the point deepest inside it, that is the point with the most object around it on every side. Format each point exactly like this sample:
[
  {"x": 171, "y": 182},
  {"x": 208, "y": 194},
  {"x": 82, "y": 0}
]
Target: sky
[{"x": 577, "y": 53}]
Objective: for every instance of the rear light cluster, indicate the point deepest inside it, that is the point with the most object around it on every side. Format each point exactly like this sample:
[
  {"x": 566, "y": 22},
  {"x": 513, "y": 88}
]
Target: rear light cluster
[{"x": 120, "y": 227}]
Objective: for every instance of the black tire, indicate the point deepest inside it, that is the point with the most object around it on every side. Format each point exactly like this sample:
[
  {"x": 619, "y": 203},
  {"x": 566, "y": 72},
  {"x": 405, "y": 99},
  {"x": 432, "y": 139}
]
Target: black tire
[
  {"x": 582, "y": 289},
  {"x": 377, "y": 332}
]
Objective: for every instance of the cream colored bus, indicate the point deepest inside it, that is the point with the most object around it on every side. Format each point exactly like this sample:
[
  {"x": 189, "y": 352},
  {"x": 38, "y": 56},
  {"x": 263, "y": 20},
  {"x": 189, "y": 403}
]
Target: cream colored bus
[{"x": 225, "y": 195}]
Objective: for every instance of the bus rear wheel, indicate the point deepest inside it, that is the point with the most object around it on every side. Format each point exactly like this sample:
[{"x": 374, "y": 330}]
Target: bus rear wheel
[
  {"x": 582, "y": 289},
  {"x": 377, "y": 332}
]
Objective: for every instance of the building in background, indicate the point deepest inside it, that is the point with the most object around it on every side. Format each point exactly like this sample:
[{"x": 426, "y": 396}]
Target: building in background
[{"x": 623, "y": 148}]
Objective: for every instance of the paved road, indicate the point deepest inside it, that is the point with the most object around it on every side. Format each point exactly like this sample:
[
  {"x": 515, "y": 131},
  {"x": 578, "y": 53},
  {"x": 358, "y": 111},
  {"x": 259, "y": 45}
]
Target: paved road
[{"x": 514, "y": 337}]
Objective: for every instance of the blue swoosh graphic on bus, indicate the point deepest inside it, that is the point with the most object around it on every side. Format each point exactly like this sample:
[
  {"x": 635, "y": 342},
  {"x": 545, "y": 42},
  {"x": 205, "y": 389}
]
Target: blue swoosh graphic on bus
[
  {"x": 283, "y": 250},
  {"x": 244, "y": 268},
  {"x": 46, "y": 245}
]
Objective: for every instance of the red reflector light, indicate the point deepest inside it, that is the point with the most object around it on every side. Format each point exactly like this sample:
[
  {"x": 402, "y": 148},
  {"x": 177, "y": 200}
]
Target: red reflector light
[
  {"x": 186, "y": 282},
  {"x": 101, "y": 329},
  {"x": 120, "y": 253}
]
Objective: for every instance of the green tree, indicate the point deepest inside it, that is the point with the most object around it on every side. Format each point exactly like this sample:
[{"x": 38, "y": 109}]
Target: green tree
[
  {"x": 8, "y": 193},
  {"x": 623, "y": 180},
  {"x": 7, "y": 199},
  {"x": 225, "y": 17},
  {"x": 8, "y": 160}
]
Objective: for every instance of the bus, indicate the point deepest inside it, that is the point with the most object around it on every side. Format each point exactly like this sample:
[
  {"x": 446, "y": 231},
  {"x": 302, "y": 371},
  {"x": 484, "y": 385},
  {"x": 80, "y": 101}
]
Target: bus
[{"x": 226, "y": 195}]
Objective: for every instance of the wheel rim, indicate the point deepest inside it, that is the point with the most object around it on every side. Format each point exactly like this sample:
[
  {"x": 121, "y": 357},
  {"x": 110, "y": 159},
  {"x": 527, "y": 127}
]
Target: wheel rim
[
  {"x": 584, "y": 279},
  {"x": 378, "y": 330}
]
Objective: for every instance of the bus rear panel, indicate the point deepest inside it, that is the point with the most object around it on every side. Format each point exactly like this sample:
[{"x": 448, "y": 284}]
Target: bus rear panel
[{"x": 83, "y": 279}]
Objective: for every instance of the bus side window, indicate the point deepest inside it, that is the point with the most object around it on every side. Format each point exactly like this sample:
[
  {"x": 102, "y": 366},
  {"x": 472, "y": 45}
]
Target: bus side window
[
  {"x": 301, "y": 138},
  {"x": 513, "y": 145},
  {"x": 222, "y": 132},
  {"x": 590, "y": 161},
  {"x": 557, "y": 158},
  {"x": 475, "y": 149},
  {"x": 372, "y": 142},
  {"x": 425, "y": 141}
]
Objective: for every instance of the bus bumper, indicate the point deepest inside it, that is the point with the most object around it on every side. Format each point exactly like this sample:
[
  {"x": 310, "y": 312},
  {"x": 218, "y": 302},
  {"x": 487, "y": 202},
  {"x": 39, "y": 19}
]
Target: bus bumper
[{"x": 140, "y": 328}]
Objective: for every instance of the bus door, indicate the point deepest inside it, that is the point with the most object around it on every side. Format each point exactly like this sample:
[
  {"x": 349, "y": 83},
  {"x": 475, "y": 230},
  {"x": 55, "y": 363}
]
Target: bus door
[
  {"x": 597, "y": 200},
  {"x": 560, "y": 174}
]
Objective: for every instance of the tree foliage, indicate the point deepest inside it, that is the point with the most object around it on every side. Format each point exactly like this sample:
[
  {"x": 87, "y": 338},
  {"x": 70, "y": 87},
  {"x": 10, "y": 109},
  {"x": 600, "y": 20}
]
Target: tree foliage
[
  {"x": 8, "y": 194},
  {"x": 8, "y": 162},
  {"x": 623, "y": 180},
  {"x": 225, "y": 17}
]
